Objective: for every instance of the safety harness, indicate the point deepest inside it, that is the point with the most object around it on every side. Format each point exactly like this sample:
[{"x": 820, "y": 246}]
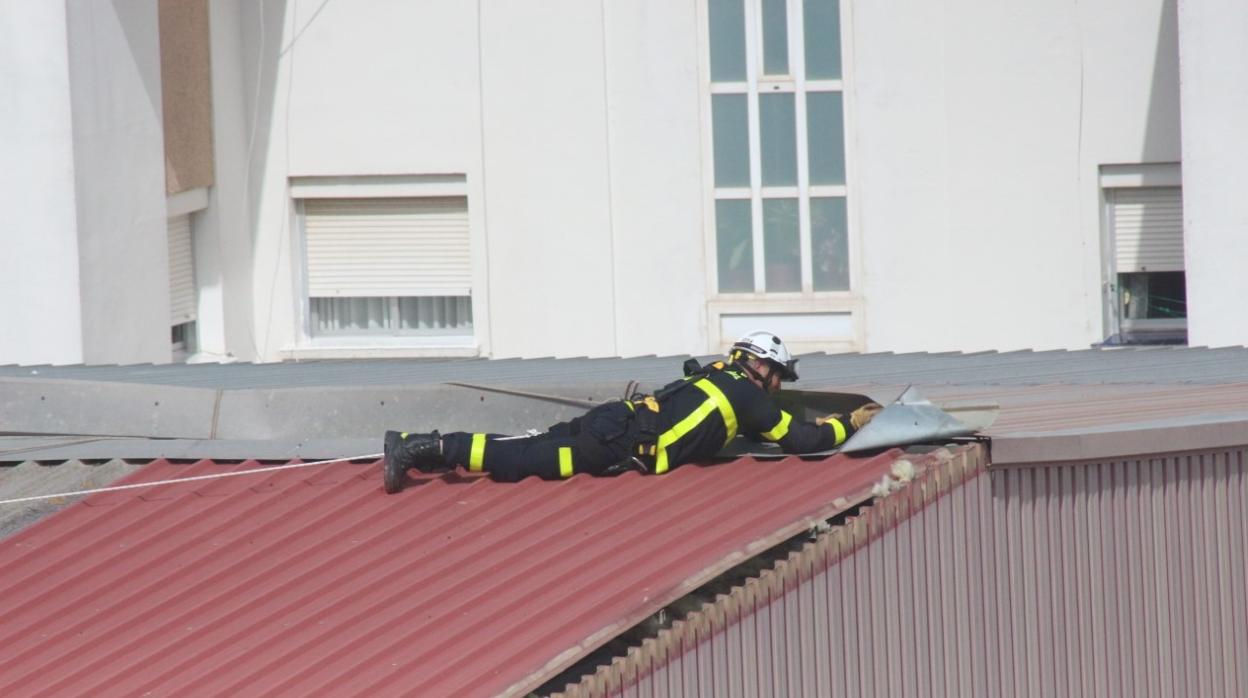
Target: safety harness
[{"x": 650, "y": 449}]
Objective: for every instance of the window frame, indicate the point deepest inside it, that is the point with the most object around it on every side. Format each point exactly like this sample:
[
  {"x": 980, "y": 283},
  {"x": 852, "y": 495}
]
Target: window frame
[
  {"x": 807, "y": 299},
  {"x": 398, "y": 343},
  {"x": 1118, "y": 329}
]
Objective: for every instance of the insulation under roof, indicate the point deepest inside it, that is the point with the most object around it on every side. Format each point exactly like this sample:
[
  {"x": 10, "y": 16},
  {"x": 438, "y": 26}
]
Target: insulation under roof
[{"x": 312, "y": 580}]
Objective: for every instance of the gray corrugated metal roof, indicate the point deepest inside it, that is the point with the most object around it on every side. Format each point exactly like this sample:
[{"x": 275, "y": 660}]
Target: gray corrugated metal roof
[
  {"x": 1090, "y": 366},
  {"x": 32, "y": 479}
]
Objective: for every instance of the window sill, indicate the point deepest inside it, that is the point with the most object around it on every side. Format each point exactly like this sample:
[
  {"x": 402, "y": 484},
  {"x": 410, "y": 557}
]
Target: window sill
[{"x": 454, "y": 346}]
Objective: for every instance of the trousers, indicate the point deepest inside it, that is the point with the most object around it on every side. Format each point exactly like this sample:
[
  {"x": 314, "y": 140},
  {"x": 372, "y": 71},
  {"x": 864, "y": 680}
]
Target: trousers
[{"x": 596, "y": 443}]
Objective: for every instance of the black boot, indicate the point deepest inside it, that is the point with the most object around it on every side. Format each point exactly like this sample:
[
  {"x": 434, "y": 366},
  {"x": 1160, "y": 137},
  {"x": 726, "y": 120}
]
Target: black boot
[{"x": 405, "y": 451}]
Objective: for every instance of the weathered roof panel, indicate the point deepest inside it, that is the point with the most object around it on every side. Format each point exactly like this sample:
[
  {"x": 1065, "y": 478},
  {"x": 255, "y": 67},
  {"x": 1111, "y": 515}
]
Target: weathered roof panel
[
  {"x": 1088, "y": 366},
  {"x": 312, "y": 579}
]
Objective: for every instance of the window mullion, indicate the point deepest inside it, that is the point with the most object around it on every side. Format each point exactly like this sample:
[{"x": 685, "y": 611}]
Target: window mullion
[
  {"x": 753, "y": 59},
  {"x": 797, "y": 66}
]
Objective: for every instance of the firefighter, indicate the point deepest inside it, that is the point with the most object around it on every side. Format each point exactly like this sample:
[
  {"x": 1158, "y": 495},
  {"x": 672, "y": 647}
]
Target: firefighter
[{"x": 687, "y": 420}]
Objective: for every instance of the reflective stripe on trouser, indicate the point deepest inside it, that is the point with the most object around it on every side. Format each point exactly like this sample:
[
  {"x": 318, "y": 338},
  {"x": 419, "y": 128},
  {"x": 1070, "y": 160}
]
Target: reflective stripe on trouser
[
  {"x": 715, "y": 401},
  {"x": 476, "y": 457},
  {"x": 506, "y": 459}
]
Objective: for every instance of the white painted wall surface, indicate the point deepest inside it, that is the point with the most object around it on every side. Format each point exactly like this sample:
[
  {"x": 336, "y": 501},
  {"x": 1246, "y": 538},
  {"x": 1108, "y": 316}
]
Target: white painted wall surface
[
  {"x": 1214, "y": 54},
  {"x": 223, "y": 240},
  {"x": 39, "y": 295},
  {"x": 655, "y": 151},
  {"x": 582, "y": 158},
  {"x": 119, "y": 173},
  {"x": 980, "y": 130},
  {"x": 267, "y": 32},
  {"x": 545, "y": 138}
]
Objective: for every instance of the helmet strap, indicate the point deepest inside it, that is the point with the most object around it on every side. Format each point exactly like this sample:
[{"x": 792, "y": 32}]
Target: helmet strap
[{"x": 743, "y": 360}]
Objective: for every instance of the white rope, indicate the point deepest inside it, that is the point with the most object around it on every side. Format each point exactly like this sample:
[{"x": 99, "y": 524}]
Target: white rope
[{"x": 253, "y": 471}]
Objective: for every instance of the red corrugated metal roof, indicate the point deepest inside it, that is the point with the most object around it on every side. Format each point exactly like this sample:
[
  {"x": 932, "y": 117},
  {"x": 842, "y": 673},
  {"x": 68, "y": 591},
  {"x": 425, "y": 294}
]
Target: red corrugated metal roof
[{"x": 312, "y": 581}]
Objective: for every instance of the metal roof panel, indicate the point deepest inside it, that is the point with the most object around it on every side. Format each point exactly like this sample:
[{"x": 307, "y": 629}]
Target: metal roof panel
[{"x": 311, "y": 579}]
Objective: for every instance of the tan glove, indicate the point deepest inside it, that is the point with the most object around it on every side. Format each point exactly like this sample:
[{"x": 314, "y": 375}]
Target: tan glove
[
  {"x": 820, "y": 421},
  {"x": 859, "y": 417}
]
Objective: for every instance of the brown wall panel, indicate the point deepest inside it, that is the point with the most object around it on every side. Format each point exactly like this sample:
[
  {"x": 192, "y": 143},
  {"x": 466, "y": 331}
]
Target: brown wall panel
[{"x": 186, "y": 94}]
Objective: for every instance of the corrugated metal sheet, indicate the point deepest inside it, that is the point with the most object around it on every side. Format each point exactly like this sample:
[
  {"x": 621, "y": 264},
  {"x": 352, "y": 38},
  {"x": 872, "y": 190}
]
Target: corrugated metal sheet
[
  {"x": 308, "y": 581},
  {"x": 1118, "y": 578},
  {"x": 1086, "y": 367}
]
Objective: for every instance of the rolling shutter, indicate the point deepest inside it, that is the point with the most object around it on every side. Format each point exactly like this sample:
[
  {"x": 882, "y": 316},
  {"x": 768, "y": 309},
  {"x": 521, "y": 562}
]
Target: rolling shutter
[
  {"x": 1148, "y": 228},
  {"x": 388, "y": 247},
  {"x": 182, "y": 301}
]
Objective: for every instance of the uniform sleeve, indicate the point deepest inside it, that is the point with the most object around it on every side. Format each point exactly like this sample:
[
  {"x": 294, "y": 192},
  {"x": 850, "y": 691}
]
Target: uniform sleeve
[{"x": 770, "y": 423}]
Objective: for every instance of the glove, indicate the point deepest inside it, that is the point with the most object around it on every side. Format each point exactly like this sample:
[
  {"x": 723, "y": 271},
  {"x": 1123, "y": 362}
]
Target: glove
[
  {"x": 820, "y": 421},
  {"x": 859, "y": 417}
]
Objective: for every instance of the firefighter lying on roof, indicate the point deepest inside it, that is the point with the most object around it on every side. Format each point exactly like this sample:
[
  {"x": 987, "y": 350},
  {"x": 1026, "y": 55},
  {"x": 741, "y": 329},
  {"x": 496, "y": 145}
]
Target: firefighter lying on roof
[{"x": 687, "y": 420}]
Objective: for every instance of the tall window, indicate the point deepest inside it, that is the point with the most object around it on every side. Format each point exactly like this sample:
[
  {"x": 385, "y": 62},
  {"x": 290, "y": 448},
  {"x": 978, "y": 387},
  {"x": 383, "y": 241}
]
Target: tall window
[
  {"x": 778, "y": 143},
  {"x": 1148, "y": 290}
]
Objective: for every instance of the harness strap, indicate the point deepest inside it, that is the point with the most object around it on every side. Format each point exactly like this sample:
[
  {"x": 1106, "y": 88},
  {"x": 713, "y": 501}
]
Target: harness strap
[{"x": 715, "y": 401}]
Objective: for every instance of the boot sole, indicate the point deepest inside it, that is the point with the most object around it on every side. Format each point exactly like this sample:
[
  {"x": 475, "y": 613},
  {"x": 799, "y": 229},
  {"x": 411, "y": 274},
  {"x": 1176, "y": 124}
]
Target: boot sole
[{"x": 394, "y": 476}]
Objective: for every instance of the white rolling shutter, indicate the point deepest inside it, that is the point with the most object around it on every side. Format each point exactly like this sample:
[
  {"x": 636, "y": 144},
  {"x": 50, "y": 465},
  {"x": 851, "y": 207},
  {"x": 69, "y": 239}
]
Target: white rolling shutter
[
  {"x": 1148, "y": 228},
  {"x": 388, "y": 247},
  {"x": 182, "y": 302}
]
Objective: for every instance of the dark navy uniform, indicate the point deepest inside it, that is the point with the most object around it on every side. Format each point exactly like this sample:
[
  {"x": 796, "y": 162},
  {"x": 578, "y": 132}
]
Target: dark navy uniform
[{"x": 689, "y": 420}]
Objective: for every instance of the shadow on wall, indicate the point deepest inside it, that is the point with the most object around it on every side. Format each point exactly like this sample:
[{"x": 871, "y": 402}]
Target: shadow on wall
[
  {"x": 1162, "y": 131},
  {"x": 271, "y": 31},
  {"x": 138, "y": 24}
]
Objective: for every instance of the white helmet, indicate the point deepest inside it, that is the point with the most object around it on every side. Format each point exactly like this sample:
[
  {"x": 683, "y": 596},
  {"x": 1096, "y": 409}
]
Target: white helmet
[{"x": 765, "y": 345}]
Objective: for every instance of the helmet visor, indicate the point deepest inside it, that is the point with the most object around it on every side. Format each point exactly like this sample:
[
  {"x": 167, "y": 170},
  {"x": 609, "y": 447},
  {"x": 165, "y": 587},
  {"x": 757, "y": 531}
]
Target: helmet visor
[{"x": 788, "y": 370}]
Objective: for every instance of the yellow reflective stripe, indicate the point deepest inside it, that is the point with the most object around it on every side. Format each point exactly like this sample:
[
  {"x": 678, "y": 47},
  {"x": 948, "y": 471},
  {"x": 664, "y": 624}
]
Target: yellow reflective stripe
[
  {"x": 725, "y": 407},
  {"x": 839, "y": 429},
  {"x": 477, "y": 455},
  {"x": 715, "y": 401},
  {"x": 565, "y": 461},
  {"x": 781, "y": 429}
]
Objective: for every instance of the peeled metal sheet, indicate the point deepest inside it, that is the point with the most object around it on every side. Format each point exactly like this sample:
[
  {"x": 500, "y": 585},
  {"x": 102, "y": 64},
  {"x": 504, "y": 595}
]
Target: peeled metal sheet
[{"x": 911, "y": 418}]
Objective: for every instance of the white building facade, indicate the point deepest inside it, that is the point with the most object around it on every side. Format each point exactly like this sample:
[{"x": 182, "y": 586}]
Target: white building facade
[{"x": 295, "y": 179}]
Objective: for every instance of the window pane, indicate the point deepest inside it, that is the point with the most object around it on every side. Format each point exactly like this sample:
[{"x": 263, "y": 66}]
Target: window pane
[
  {"x": 734, "y": 245},
  {"x": 825, "y": 137},
  {"x": 416, "y": 315},
  {"x": 436, "y": 313},
  {"x": 775, "y": 38},
  {"x": 1153, "y": 295},
  {"x": 727, "y": 29},
  {"x": 829, "y": 246},
  {"x": 730, "y": 125},
  {"x": 781, "y": 248},
  {"x": 778, "y": 139},
  {"x": 822, "y": 21}
]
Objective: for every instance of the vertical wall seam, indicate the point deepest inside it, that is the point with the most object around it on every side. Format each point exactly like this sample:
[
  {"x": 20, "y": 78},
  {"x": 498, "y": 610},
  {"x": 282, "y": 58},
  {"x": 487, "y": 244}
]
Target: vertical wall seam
[
  {"x": 606, "y": 115},
  {"x": 485, "y": 211}
]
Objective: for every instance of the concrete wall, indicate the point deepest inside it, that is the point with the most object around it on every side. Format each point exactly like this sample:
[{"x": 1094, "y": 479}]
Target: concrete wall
[
  {"x": 1215, "y": 165},
  {"x": 39, "y": 312},
  {"x": 223, "y": 231},
  {"x": 119, "y": 175},
  {"x": 980, "y": 130}
]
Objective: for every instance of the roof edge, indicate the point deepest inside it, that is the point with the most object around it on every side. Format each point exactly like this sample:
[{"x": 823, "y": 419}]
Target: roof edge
[{"x": 1197, "y": 433}]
